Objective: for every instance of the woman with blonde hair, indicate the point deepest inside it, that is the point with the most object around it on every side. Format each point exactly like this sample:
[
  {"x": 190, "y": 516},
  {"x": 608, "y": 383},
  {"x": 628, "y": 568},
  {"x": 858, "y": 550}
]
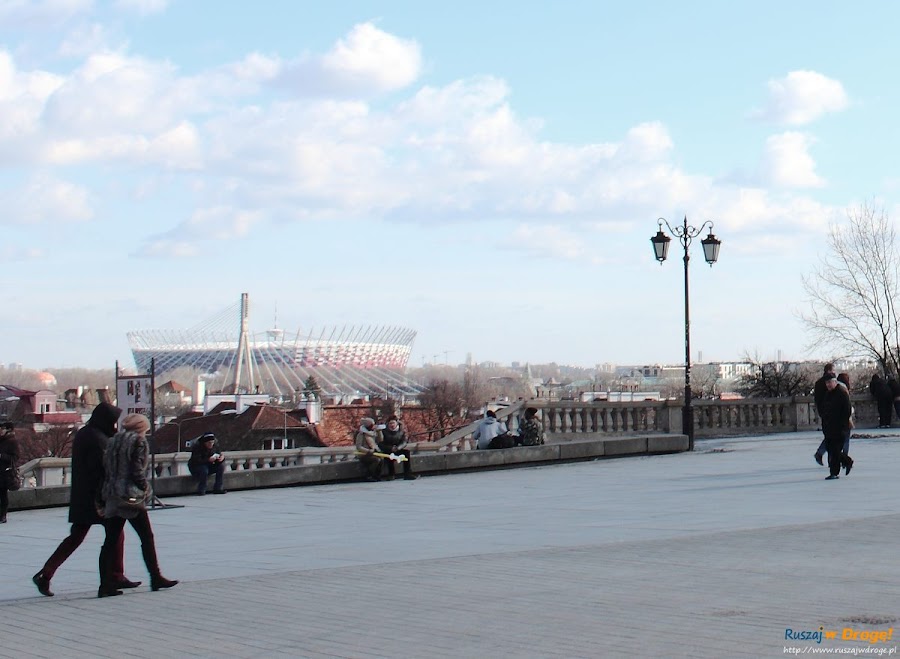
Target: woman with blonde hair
[{"x": 126, "y": 492}]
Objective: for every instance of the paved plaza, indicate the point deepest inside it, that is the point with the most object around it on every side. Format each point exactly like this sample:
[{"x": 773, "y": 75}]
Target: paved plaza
[{"x": 715, "y": 553}]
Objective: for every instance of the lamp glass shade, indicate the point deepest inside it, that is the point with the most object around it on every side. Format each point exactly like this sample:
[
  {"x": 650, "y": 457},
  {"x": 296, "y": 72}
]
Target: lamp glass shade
[
  {"x": 711, "y": 246},
  {"x": 660, "y": 245}
]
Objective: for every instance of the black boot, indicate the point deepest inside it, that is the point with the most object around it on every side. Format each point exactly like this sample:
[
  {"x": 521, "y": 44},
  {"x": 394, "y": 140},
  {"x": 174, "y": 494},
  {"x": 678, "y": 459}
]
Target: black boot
[
  {"x": 43, "y": 584},
  {"x": 157, "y": 580},
  {"x": 108, "y": 591}
]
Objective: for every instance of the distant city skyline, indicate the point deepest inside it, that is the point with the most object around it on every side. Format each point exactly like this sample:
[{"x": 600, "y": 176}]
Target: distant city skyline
[{"x": 351, "y": 163}]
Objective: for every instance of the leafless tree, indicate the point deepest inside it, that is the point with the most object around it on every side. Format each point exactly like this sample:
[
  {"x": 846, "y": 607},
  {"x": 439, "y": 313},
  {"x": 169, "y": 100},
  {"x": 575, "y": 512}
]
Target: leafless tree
[
  {"x": 854, "y": 292},
  {"x": 447, "y": 400},
  {"x": 55, "y": 442},
  {"x": 777, "y": 379}
]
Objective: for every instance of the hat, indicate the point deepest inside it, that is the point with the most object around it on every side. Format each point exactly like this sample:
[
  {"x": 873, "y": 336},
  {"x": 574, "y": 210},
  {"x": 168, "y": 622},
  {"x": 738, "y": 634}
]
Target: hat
[
  {"x": 830, "y": 376},
  {"x": 208, "y": 437},
  {"x": 136, "y": 422}
]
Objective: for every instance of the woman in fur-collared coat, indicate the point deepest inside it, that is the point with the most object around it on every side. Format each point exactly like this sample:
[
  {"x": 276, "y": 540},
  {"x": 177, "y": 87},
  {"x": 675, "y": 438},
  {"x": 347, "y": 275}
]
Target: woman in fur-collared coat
[{"x": 126, "y": 492}]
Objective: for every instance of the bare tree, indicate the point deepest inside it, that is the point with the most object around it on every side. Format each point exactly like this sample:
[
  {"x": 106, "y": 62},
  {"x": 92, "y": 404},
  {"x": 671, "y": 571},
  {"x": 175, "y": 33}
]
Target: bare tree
[
  {"x": 447, "y": 401},
  {"x": 55, "y": 442},
  {"x": 853, "y": 293},
  {"x": 777, "y": 379}
]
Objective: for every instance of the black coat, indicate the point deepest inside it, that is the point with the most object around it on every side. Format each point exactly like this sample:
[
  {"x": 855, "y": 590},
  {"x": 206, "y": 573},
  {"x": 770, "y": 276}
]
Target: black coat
[
  {"x": 9, "y": 459},
  {"x": 836, "y": 416},
  {"x": 87, "y": 464}
]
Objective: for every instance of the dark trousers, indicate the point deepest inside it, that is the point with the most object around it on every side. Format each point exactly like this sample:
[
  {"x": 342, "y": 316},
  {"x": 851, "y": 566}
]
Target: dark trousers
[
  {"x": 885, "y": 410},
  {"x": 4, "y": 502},
  {"x": 114, "y": 526},
  {"x": 392, "y": 466},
  {"x": 824, "y": 445},
  {"x": 73, "y": 541},
  {"x": 371, "y": 465},
  {"x": 203, "y": 471},
  {"x": 836, "y": 456}
]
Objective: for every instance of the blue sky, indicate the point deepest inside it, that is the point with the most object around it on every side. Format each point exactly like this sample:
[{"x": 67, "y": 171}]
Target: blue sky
[{"x": 486, "y": 173}]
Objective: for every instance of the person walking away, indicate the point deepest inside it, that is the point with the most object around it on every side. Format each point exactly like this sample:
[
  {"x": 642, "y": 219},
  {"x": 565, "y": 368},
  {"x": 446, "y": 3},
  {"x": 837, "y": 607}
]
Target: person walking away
[
  {"x": 531, "y": 431},
  {"x": 85, "y": 497},
  {"x": 819, "y": 390},
  {"x": 393, "y": 440},
  {"x": 367, "y": 438},
  {"x": 835, "y": 422},
  {"x": 207, "y": 459},
  {"x": 126, "y": 492},
  {"x": 881, "y": 392},
  {"x": 488, "y": 430},
  {"x": 844, "y": 379},
  {"x": 894, "y": 386},
  {"x": 9, "y": 462}
]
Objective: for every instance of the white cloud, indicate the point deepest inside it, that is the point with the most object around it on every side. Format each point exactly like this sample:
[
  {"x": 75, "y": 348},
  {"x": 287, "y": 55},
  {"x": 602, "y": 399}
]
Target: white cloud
[
  {"x": 205, "y": 224},
  {"x": 41, "y": 13},
  {"x": 8, "y": 253},
  {"x": 143, "y": 7},
  {"x": 84, "y": 40},
  {"x": 786, "y": 162},
  {"x": 440, "y": 153},
  {"x": 46, "y": 199},
  {"x": 366, "y": 61},
  {"x": 549, "y": 241},
  {"x": 802, "y": 97}
]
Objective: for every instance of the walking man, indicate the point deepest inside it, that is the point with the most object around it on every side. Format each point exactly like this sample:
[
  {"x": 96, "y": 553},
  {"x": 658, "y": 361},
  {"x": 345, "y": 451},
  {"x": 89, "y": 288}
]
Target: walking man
[
  {"x": 819, "y": 391},
  {"x": 836, "y": 423}
]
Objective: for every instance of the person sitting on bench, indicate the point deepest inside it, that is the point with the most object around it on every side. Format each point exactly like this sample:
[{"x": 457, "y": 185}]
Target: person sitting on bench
[
  {"x": 206, "y": 459},
  {"x": 393, "y": 441}
]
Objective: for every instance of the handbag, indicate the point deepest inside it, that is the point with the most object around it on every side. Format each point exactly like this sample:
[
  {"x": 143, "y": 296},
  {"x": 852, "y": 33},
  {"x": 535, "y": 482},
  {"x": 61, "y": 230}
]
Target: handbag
[
  {"x": 133, "y": 499},
  {"x": 13, "y": 480}
]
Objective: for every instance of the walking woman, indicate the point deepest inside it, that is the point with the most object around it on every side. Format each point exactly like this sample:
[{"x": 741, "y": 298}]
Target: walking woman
[
  {"x": 9, "y": 460},
  {"x": 126, "y": 491}
]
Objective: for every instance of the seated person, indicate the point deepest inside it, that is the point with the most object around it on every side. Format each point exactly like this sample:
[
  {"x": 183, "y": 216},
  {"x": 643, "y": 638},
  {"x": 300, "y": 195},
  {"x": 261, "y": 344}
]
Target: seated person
[
  {"x": 491, "y": 433},
  {"x": 393, "y": 440},
  {"x": 206, "y": 459},
  {"x": 366, "y": 445},
  {"x": 531, "y": 433}
]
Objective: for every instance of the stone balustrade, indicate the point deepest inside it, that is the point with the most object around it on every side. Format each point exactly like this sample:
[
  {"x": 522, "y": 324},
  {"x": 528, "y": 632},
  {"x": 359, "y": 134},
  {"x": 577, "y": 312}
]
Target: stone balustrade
[{"x": 563, "y": 421}]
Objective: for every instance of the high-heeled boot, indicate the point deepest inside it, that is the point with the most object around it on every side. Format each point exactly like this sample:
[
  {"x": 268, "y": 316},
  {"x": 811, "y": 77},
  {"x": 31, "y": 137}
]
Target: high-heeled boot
[
  {"x": 107, "y": 583},
  {"x": 157, "y": 580},
  {"x": 43, "y": 584}
]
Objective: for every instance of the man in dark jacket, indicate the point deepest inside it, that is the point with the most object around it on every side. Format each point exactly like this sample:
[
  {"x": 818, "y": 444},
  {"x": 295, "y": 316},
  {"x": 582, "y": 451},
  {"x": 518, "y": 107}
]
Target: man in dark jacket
[
  {"x": 819, "y": 391},
  {"x": 9, "y": 461},
  {"x": 87, "y": 480},
  {"x": 207, "y": 460},
  {"x": 836, "y": 423}
]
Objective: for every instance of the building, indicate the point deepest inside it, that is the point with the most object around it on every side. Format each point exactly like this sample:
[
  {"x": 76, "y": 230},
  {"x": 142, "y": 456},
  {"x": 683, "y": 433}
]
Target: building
[{"x": 344, "y": 361}]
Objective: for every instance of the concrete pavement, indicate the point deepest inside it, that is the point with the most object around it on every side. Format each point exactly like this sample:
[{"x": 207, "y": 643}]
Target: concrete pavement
[{"x": 710, "y": 554}]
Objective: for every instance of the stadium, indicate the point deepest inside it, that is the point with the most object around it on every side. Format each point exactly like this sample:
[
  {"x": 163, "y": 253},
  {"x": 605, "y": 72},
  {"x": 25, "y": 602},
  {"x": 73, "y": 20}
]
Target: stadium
[{"x": 346, "y": 361}]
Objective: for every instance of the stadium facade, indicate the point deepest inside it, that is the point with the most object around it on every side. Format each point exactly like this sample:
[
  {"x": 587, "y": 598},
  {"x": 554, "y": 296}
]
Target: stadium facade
[{"x": 345, "y": 361}]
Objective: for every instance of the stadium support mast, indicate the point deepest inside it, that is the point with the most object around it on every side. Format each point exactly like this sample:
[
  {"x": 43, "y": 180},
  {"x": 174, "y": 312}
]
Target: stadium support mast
[{"x": 244, "y": 348}]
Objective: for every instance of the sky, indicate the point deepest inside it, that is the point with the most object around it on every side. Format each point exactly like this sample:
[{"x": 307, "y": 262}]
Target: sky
[{"x": 488, "y": 174}]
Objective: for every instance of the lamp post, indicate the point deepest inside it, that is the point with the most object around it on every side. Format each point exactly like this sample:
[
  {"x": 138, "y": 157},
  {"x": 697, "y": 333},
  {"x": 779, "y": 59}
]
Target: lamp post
[{"x": 685, "y": 234}]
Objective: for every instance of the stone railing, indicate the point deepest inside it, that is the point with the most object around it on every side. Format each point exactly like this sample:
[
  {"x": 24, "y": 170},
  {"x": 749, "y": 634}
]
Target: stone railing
[
  {"x": 461, "y": 439},
  {"x": 562, "y": 420},
  {"x": 45, "y": 472}
]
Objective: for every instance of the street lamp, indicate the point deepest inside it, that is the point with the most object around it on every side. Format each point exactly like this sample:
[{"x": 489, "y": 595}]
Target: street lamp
[{"x": 685, "y": 234}]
